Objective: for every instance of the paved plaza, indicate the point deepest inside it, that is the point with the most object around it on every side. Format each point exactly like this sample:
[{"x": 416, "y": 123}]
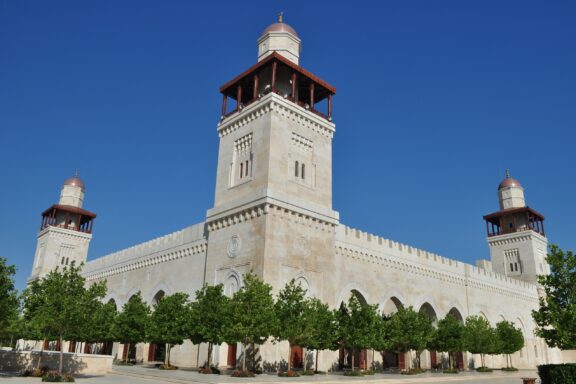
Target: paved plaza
[{"x": 146, "y": 375}]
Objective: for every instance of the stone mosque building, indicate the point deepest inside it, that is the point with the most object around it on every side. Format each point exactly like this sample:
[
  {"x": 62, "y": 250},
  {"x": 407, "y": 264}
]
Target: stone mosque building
[{"x": 273, "y": 215}]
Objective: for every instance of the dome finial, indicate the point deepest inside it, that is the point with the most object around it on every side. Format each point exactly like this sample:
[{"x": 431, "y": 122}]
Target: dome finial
[
  {"x": 281, "y": 17},
  {"x": 77, "y": 174},
  {"x": 507, "y": 173}
]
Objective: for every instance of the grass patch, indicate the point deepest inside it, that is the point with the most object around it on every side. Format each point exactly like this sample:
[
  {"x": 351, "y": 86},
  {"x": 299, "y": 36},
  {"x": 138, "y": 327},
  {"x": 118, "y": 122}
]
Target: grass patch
[
  {"x": 484, "y": 369},
  {"x": 509, "y": 369},
  {"x": 290, "y": 373},
  {"x": 451, "y": 370}
]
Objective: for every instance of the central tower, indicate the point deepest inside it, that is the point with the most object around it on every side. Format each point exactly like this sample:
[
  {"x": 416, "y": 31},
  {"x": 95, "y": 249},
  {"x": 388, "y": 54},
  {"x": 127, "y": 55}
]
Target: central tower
[{"x": 272, "y": 209}]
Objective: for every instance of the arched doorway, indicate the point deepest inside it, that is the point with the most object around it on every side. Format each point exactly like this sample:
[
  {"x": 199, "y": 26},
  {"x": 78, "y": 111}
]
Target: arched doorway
[
  {"x": 157, "y": 351},
  {"x": 459, "y": 355},
  {"x": 430, "y": 358},
  {"x": 347, "y": 356},
  {"x": 392, "y": 360},
  {"x": 231, "y": 286}
]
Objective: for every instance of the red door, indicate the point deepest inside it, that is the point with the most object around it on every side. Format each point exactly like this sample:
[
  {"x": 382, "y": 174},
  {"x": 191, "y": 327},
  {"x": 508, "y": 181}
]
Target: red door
[
  {"x": 460, "y": 359},
  {"x": 433, "y": 360},
  {"x": 401, "y": 360},
  {"x": 296, "y": 356},
  {"x": 72, "y": 346},
  {"x": 152, "y": 352},
  {"x": 125, "y": 351},
  {"x": 231, "y": 361}
]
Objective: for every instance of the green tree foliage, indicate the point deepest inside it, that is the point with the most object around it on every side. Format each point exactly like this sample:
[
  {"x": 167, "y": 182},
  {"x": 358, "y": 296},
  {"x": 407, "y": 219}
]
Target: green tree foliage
[
  {"x": 169, "y": 322},
  {"x": 57, "y": 305},
  {"x": 358, "y": 325},
  {"x": 479, "y": 337},
  {"x": 100, "y": 323},
  {"x": 252, "y": 315},
  {"x": 321, "y": 328},
  {"x": 409, "y": 330},
  {"x": 449, "y": 337},
  {"x": 131, "y": 324},
  {"x": 209, "y": 318},
  {"x": 555, "y": 318},
  {"x": 510, "y": 339},
  {"x": 290, "y": 308},
  {"x": 9, "y": 302}
]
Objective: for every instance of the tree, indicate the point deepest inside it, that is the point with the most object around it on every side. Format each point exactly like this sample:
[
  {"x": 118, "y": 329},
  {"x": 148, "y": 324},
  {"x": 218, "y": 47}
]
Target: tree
[
  {"x": 555, "y": 317},
  {"x": 169, "y": 322},
  {"x": 209, "y": 318},
  {"x": 57, "y": 305},
  {"x": 510, "y": 339},
  {"x": 131, "y": 324},
  {"x": 252, "y": 316},
  {"x": 320, "y": 329},
  {"x": 449, "y": 337},
  {"x": 9, "y": 301},
  {"x": 479, "y": 337},
  {"x": 100, "y": 323},
  {"x": 410, "y": 330},
  {"x": 358, "y": 325},
  {"x": 290, "y": 308}
]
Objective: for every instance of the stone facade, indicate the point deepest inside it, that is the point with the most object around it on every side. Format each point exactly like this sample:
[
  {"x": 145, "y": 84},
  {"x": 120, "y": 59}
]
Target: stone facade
[{"x": 273, "y": 215}]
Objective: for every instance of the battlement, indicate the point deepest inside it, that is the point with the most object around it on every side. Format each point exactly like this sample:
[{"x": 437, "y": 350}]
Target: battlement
[
  {"x": 159, "y": 245},
  {"x": 369, "y": 245}
]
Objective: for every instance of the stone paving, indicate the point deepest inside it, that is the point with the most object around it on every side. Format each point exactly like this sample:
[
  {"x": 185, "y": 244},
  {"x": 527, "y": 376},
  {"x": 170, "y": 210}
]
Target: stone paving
[{"x": 147, "y": 375}]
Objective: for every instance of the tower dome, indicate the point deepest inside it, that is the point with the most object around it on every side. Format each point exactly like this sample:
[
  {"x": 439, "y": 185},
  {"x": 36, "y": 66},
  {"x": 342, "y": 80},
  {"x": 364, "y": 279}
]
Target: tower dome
[
  {"x": 73, "y": 191},
  {"x": 510, "y": 193},
  {"x": 280, "y": 26},
  {"x": 282, "y": 38},
  {"x": 75, "y": 181}
]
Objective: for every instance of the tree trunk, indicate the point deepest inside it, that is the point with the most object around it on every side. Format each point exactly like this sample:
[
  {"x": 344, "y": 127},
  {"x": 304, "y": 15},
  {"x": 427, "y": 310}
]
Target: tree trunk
[
  {"x": 127, "y": 345},
  {"x": 373, "y": 366},
  {"x": 289, "y": 356},
  {"x": 167, "y": 355},
  {"x": 40, "y": 357},
  {"x": 304, "y": 358},
  {"x": 253, "y": 357},
  {"x": 352, "y": 359},
  {"x": 316, "y": 360},
  {"x": 61, "y": 355},
  {"x": 244, "y": 351},
  {"x": 209, "y": 359}
]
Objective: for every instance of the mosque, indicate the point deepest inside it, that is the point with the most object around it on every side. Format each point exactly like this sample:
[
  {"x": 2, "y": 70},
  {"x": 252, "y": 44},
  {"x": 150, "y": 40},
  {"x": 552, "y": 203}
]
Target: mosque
[{"x": 273, "y": 215}]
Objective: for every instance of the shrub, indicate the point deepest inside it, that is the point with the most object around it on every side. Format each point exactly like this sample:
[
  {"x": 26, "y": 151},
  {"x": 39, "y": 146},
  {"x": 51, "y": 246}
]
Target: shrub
[
  {"x": 368, "y": 372},
  {"x": 509, "y": 369},
  {"x": 319, "y": 372},
  {"x": 239, "y": 373},
  {"x": 557, "y": 373},
  {"x": 288, "y": 374},
  {"x": 484, "y": 369},
  {"x": 451, "y": 370},
  {"x": 57, "y": 377},
  {"x": 308, "y": 372},
  {"x": 352, "y": 373}
]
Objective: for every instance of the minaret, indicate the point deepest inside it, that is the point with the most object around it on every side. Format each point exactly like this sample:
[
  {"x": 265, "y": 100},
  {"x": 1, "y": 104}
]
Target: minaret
[
  {"x": 516, "y": 235},
  {"x": 273, "y": 197},
  {"x": 65, "y": 231}
]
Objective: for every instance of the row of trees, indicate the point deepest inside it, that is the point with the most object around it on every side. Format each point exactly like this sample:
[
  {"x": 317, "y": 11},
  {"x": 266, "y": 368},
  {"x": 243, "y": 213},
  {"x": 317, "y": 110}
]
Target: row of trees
[{"x": 60, "y": 307}]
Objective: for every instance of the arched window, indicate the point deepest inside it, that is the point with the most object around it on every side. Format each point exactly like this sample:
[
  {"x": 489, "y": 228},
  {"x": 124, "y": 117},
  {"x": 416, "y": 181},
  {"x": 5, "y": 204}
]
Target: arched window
[
  {"x": 296, "y": 169},
  {"x": 246, "y": 171},
  {"x": 303, "y": 171}
]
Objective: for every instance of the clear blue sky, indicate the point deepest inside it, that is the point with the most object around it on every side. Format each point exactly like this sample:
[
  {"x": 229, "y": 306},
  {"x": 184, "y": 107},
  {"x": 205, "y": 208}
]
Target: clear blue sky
[{"x": 435, "y": 99}]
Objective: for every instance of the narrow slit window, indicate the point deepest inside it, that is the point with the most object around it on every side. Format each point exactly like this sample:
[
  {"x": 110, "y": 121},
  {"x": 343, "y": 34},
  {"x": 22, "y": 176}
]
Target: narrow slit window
[
  {"x": 241, "y": 170},
  {"x": 511, "y": 267},
  {"x": 296, "y": 169},
  {"x": 246, "y": 171},
  {"x": 303, "y": 171}
]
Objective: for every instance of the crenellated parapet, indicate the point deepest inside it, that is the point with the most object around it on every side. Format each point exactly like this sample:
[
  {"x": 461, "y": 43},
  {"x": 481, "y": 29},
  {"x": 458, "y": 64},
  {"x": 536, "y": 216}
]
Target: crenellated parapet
[
  {"x": 184, "y": 243},
  {"x": 359, "y": 246}
]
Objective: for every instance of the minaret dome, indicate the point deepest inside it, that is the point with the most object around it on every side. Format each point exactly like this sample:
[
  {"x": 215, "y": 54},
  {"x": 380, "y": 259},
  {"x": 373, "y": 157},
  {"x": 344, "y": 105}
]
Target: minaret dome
[
  {"x": 282, "y": 38},
  {"x": 511, "y": 193},
  {"x": 72, "y": 192}
]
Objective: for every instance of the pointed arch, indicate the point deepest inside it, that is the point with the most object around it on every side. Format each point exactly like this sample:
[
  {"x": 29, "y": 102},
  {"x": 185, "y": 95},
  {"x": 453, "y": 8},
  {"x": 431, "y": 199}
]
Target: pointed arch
[
  {"x": 429, "y": 310},
  {"x": 352, "y": 288},
  {"x": 457, "y": 314},
  {"x": 232, "y": 283}
]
